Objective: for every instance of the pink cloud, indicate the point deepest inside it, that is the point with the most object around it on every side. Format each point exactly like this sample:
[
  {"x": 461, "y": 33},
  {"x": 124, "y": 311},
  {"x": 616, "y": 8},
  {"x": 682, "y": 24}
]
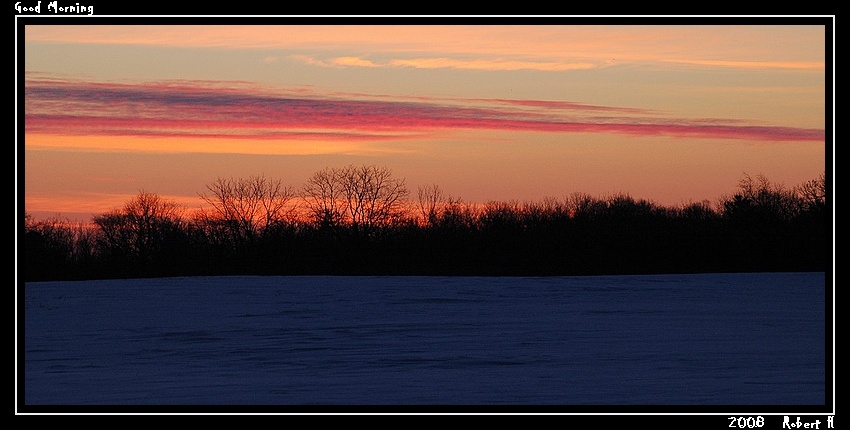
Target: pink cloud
[{"x": 200, "y": 109}]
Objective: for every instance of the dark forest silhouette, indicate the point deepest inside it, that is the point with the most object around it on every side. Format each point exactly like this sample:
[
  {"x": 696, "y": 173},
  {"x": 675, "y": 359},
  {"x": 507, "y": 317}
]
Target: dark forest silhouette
[{"x": 361, "y": 220}]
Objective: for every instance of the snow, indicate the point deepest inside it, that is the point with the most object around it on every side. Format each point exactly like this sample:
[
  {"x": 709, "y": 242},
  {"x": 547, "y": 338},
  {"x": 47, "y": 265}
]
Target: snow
[{"x": 662, "y": 340}]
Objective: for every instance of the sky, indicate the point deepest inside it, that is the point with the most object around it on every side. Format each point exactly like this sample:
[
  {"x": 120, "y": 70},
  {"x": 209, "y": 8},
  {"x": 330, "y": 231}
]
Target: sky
[{"x": 672, "y": 113}]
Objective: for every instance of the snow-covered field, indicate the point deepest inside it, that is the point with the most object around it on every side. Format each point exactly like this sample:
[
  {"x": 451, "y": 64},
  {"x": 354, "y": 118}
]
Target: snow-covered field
[{"x": 712, "y": 339}]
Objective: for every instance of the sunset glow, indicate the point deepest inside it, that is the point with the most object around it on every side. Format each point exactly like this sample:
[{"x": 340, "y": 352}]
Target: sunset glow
[{"x": 670, "y": 113}]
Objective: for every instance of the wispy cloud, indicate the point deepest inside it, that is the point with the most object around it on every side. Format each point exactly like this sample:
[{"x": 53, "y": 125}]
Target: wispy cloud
[
  {"x": 352, "y": 61},
  {"x": 818, "y": 66},
  {"x": 558, "y": 104},
  {"x": 215, "y": 110},
  {"x": 480, "y": 47},
  {"x": 492, "y": 64}
]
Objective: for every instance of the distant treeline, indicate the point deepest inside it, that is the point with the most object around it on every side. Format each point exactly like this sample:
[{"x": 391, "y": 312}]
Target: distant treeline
[{"x": 360, "y": 220}]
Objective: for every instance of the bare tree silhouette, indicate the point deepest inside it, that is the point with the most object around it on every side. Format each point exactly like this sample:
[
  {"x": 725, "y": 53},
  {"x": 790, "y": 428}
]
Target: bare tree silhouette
[
  {"x": 813, "y": 193},
  {"x": 366, "y": 197},
  {"x": 140, "y": 230},
  {"x": 250, "y": 227},
  {"x": 323, "y": 197},
  {"x": 374, "y": 198},
  {"x": 246, "y": 208},
  {"x": 430, "y": 203}
]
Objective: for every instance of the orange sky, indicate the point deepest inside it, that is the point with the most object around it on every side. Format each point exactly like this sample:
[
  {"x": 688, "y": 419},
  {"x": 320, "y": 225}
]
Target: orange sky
[{"x": 671, "y": 113}]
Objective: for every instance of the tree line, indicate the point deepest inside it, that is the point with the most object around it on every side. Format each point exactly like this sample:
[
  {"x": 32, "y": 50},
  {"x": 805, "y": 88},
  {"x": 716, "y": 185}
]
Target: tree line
[{"x": 362, "y": 220}]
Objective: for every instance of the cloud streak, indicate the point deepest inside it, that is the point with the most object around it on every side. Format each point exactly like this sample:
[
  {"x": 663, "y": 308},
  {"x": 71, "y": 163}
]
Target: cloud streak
[
  {"x": 481, "y": 47},
  {"x": 217, "y": 110},
  {"x": 816, "y": 66},
  {"x": 488, "y": 64}
]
